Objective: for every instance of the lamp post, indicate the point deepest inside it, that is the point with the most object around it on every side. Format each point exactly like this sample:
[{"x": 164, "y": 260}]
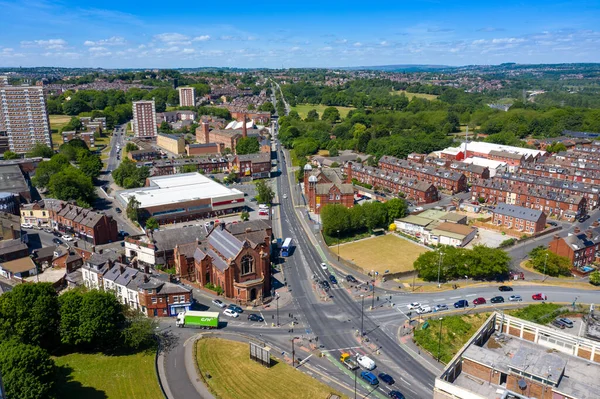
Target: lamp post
[
  {"x": 440, "y": 266},
  {"x": 338, "y": 237},
  {"x": 294, "y": 352},
  {"x": 440, "y": 340},
  {"x": 277, "y": 301},
  {"x": 355, "y": 383},
  {"x": 545, "y": 263},
  {"x": 373, "y": 298},
  {"x": 414, "y": 277},
  {"x": 362, "y": 315}
]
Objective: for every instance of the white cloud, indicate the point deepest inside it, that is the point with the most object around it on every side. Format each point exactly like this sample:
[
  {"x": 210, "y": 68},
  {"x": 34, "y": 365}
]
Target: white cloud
[
  {"x": 111, "y": 41},
  {"x": 173, "y": 38},
  {"x": 327, "y": 48},
  {"x": 357, "y": 44},
  {"x": 508, "y": 40},
  {"x": 202, "y": 38},
  {"x": 188, "y": 51},
  {"x": 295, "y": 48},
  {"x": 96, "y": 49},
  {"x": 51, "y": 44}
]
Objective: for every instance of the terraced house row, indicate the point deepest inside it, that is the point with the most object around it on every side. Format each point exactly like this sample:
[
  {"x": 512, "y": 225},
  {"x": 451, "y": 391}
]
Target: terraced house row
[
  {"x": 444, "y": 179},
  {"x": 588, "y": 175},
  {"x": 420, "y": 192}
]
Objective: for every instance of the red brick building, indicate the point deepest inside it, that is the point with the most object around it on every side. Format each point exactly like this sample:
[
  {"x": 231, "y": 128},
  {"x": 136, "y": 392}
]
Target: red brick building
[
  {"x": 263, "y": 118},
  {"x": 444, "y": 179},
  {"x": 161, "y": 298},
  {"x": 323, "y": 187},
  {"x": 418, "y": 191},
  {"x": 90, "y": 226},
  {"x": 203, "y": 149},
  {"x": 519, "y": 218},
  {"x": 580, "y": 247}
]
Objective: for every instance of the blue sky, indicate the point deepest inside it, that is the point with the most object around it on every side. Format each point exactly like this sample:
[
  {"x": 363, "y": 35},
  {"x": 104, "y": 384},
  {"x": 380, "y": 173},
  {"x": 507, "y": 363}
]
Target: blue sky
[{"x": 162, "y": 34}]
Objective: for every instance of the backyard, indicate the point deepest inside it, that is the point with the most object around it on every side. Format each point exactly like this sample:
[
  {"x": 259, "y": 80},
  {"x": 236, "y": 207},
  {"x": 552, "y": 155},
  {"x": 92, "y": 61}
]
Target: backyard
[
  {"x": 382, "y": 253},
  {"x": 234, "y": 376},
  {"x": 303, "y": 109},
  {"x": 97, "y": 376}
]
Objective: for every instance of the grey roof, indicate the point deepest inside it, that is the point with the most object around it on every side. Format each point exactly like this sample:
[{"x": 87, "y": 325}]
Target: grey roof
[
  {"x": 198, "y": 145},
  {"x": 533, "y": 215},
  {"x": 114, "y": 272},
  {"x": 128, "y": 274},
  {"x": 324, "y": 188},
  {"x": 5, "y": 287},
  {"x": 253, "y": 225},
  {"x": 171, "y": 136},
  {"x": 539, "y": 363},
  {"x": 44, "y": 252},
  {"x": 8, "y": 246},
  {"x": 188, "y": 249},
  {"x": 224, "y": 242},
  {"x": 217, "y": 261},
  {"x": 425, "y": 169},
  {"x": 136, "y": 281},
  {"x": 199, "y": 255},
  {"x": 165, "y": 240},
  {"x": 258, "y": 157},
  {"x": 75, "y": 277},
  {"x": 581, "y": 240},
  {"x": 12, "y": 180},
  {"x": 170, "y": 288},
  {"x": 506, "y": 154}
]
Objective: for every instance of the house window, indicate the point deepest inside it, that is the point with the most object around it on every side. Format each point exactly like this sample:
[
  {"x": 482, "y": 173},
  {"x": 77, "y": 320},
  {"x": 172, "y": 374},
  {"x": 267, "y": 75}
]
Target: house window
[
  {"x": 154, "y": 299},
  {"x": 182, "y": 298},
  {"x": 247, "y": 264},
  {"x": 175, "y": 299},
  {"x": 337, "y": 197},
  {"x": 331, "y": 197}
]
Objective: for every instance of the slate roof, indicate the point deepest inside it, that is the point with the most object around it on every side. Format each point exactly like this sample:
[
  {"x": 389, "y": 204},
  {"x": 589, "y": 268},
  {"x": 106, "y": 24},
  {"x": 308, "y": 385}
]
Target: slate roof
[
  {"x": 8, "y": 246},
  {"x": 217, "y": 261},
  {"x": 533, "y": 215},
  {"x": 324, "y": 188},
  {"x": 126, "y": 276},
  {"x": 12, "y": 180},
  {"x": 188, "y": 249},
  {"x": 199, "y": 255},
  {"x": 253, "y": 225},
  {"x": 506, "y": 154},
  {"x": 165, "y": 240},
  {"x": 225, "y": 242},
  {"x": 581, "y": 240}
]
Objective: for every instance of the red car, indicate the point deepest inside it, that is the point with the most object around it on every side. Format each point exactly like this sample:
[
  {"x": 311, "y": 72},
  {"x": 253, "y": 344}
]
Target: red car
[
  {"x": 539, "y": 297},
  {"x": 479, "y": 301}
]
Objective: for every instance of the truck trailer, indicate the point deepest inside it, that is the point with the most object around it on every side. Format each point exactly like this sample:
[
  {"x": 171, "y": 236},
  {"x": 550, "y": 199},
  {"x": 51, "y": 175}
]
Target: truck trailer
[{"x": 196, "y": 319}]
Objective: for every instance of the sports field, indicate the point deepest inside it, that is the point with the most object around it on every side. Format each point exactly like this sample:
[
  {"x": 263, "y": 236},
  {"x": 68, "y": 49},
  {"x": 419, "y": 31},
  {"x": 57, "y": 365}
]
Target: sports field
[
  {"x": 411, "y": 95},
  {"x": 382, "y": 253},
  {"x": 234, "y": 376},
  {"x": 303, "y": 109}
]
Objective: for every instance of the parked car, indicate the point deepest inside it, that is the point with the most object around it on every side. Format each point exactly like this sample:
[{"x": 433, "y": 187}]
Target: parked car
[
  {"x": 424, "y": 309},
  {"x": 463, "y": 303},
  {"x": 118, "y": 210},
  {"x": 440, "y": 308},
  {"x": 505, "y": 288},
  {"x": 324, "y": 266},
  {"x": 26, "y": 225},
  {"x": 369, "y": 377},
  {"x": 559, "y": 324},
  {"x": 515, "y": 298},
  {"x": 414, "y": 305},
  {"x": 418, "y": 209},
  {"x": 235, "y": 308},
  {"x": 333, "y": 279},
  {"x": 581, "y": 220},
  {"x": 230, "y": 313},
  {"x": 57, "y": 241},
  {"x": 219, "y": 303},
  {"x": 553, "y": 224},
  {"x": 48, "y": 230},
  {"x": 325, "y": 285},
  {"x": 67, "y": 237},
  {"x": 396, "y": 395},
  {"x": 350, "y": 278},
  {"x": 539, "y": 297},
  {"x": 479, "y": 301},
  {"x": 497, "y": 299},
  {"x": 255, "y": 317},
  {"x": 386, "y": 378},
  {"x": 567, "y": 322}
]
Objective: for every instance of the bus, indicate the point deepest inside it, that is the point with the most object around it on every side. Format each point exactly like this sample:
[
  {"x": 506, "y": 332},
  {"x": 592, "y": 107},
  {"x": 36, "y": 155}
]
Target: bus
[{"x": 286, "y": 248}]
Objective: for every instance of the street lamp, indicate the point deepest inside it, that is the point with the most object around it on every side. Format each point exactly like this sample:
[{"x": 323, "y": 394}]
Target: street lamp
[
  {"x": 373, "y": 298},
  {"x": 545, "y": 263},
  {"x": 294, "y": 351},
  {"x": 440, "y": 340},
  {"x": 338, "y": 237},
  {"x": 362, "y": 315},
  {"x": 277, "y": 301},
  {"x": 355, "y": 383},
  {"x": 440, "y": 266}
]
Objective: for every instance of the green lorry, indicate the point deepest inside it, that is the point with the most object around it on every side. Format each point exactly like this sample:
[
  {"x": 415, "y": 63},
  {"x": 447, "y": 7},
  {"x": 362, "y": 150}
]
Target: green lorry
[{"x": 196, "y": 319}]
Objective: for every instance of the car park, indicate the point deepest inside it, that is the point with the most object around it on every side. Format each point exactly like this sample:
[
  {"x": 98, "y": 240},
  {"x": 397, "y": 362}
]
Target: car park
[
  {"x": 414, "y": 305},
  {"x": 235, "y": 308},
  {"x": 255, "y": 317},
  {"x": 505, "y": 288},
  {"x": 566, "y": 322},
  {"x": 219, "y": 303},
  {"x": 396, "y": 395},
  {"x": 324, "y": 266},
  {"x": 350, "y": 278},
  {"x": 386, "y": 378},
  {"x": 369, "y": 377},
  {"x": 515, "y": 298},
  {"x": 539, "y": 297},
  {"x": 440, "y": 308},
  {"x": 230, "y": 313},
  {"x": 424, "y": 309},
  {"x": 497, "y": 299},
  {"x": 333, "y": 279},
  {"x": 558, "y": 324},
  {"x": 479, "y": 301},
  {"x": 463, "y": 303}
]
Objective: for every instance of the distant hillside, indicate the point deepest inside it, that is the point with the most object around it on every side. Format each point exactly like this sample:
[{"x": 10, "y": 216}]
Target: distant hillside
[{"x": 399, "y": 68}]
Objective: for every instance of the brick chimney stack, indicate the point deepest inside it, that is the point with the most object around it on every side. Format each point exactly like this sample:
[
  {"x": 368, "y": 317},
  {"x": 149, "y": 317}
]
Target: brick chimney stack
[
  {"x": 589, "y": 233},
  {"x": 244, "y": 128},
  {"x": 206, "y": 131},
  {"x": 576, "y": 230}
]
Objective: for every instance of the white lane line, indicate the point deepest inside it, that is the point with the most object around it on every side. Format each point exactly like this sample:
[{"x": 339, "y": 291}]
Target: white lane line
[
  {"x": 404, "y": 381},
  {"x": 341, "y": 349},
  {"x": 470, "y": 295},
  {"x": 305, "y": 360},
  {"x": 264, "y": 320},
  {"x": 455, "y": 297}
]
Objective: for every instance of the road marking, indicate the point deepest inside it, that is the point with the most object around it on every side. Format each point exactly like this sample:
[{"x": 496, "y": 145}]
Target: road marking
[
  {"x": 341, "y": 349},
  {"x": 455, "y": 297},
  {"x": 305, "y": 360},
  {"x": 404, "y": 381},
  {"x": 470, "y": 295}
]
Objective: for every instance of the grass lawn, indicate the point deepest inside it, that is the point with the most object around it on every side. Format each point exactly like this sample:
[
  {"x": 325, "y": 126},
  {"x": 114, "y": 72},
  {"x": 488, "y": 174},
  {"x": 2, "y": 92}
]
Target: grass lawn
[
  {"x": 411, "y": 95},
  {"x": 235, "y": 376},
  {"x": 56, "y": 123},
  {"x": 382, "y": 253},
  {"x": 456, "y": 331},
  {"x": 303, "y": 109},
  {"x": 95, "y": 376}
]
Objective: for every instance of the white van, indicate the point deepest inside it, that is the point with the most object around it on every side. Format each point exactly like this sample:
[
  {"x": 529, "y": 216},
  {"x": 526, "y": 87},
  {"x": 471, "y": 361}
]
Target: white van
[
  {"x": 365, "y": 362},
  {"x": 263, "y": 207},
  {"x": 424, "y": 309}
]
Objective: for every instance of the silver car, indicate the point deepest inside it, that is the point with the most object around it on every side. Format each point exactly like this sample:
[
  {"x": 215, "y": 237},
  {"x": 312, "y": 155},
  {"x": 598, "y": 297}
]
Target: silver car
[{"x": 515, "y": 298}]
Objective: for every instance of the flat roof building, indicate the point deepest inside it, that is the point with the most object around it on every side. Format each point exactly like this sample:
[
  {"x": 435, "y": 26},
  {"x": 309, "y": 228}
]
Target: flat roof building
[
  {"x": 184, "y": 197},
  {"x": 144, "y": 119}
]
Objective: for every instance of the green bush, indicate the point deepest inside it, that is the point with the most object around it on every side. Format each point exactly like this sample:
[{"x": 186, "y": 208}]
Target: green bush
[
  {"x": 542, "y": 313},
  {"x": 507, "y": 243},
  {"x": 214, "y": 288}
]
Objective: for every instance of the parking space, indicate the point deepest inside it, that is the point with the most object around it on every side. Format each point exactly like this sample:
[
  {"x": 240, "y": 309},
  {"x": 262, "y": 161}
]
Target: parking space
[{"x": 488, "y": 238}]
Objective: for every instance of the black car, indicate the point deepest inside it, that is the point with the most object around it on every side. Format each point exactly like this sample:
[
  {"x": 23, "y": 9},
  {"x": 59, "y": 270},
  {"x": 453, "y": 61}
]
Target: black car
[
  {"x": 235, "y": 308},
  {"x": 325, "y": 285},
  {"x": 497, "y": 299},
  {"x": 350, "y": 278},
  {"x": 581, "y": 220},
  {"x": 57, "y": 234},
  {"x": 386, "y": 378},
  {"x": 118, "y": 210},
  {"x": 332, "y": 279},
  {"x": 505, "y": 288},
  {"x": 255, "y": 317},
  {"x": 396, "y": 395},
  {"x": 553, "y": 223},
  {"x": 57, "y": 241}
]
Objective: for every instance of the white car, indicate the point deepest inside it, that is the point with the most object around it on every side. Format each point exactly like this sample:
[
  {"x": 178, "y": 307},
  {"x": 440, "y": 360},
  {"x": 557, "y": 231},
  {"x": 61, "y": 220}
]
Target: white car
[
  {"x": 324, "y": 266},
  {"x": 414, "y": 305},
  {"x": 219, "y": 303},
  {"x": 284, "y": 196},
  {"x": 366, "y": 362},
  {"x": 424, "y": 309},
  {"x": 26, "y": 225},
  {"x": 230, "y": 313},
  {"x": 67, "y": 237},
  {"x": 515, "y": 298}
]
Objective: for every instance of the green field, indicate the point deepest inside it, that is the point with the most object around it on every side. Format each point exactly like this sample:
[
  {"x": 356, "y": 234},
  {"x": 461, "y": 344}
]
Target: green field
[
  {"x": 303, "y": 109},
  {"x": 382, "y": 253},
  {"x": 96, "y": 376},
  {"x": 56, "y": 124},
  {"x": 411, "y": 95},
  {"x": 234, "y": 376}
]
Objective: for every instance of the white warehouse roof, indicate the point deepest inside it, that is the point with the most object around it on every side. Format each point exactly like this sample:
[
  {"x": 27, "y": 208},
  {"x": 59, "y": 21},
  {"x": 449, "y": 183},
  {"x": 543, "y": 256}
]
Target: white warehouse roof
[
  {"x": 486, "y": 148},
  {"x": 490, "y": 163}
]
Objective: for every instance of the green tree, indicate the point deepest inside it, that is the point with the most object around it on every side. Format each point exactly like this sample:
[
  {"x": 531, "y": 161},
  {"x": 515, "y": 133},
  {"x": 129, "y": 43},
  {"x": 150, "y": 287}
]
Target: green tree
[
  {"x": 375, "y": 215},
  {"x": 251, "y": 107},
  {"x": 29, "y": 313},
  {"x": 335, "y": 217},
  {"x": 131, "y": 147},
  {"x": 72, "y": 184},
  {"x": 101, "y": 320},
  {"x": 232, "y": 177},
  {"x": 152, "y": 224},
  {"x": 595, "y": 278},
  {"x": 487, "y": 263},
  {"x": 188, "y": 168},
  {"x": 73, "y": 125},
  {"x": 128, "y": 175},
  {"x": 267, "y": 107},
  {"x": 165, "y": 127},
  {"x": 27, "y": 371},
  {"x": 265, "y": 193},
  {"x": 556, "y": 147},
  {"x": 133, "y": 209},
  {"x": 90, "y": 165},
  {"x": 46, "y": 169},
  {"x": 40, "y": 150},
  {"x": 331, "y": 114},
  {"x": 8, "y": 155},
  {"x": 543, "y": 260},
  {"x": 247, "y": 145},
  {"x": 312, "y": 115},
  {"x": 139, "y": 331},
  {"x": 396, "y": 209},
  {"x": 245, "y": 215},
  {"x": 70, "y": 307}
]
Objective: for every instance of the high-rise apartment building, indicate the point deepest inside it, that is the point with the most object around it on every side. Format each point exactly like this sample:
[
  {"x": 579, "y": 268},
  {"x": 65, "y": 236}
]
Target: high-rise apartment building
[
  {"x": 23, "y": 117},
  {"x": 144, "y": 119},
  {"x": 187, "y": 96}
]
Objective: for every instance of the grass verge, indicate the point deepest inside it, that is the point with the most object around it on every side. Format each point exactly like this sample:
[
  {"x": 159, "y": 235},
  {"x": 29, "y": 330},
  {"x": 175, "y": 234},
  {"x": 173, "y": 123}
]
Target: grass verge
[
  {"x": 95, "y": 376},
  {"x": 331, "y": 241},
  {"x": 303, "y": 109},
  {"x": 234, "y": 376},
  {"x": 542, "y": 313},
  {"x": 382, "y": 253}
]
